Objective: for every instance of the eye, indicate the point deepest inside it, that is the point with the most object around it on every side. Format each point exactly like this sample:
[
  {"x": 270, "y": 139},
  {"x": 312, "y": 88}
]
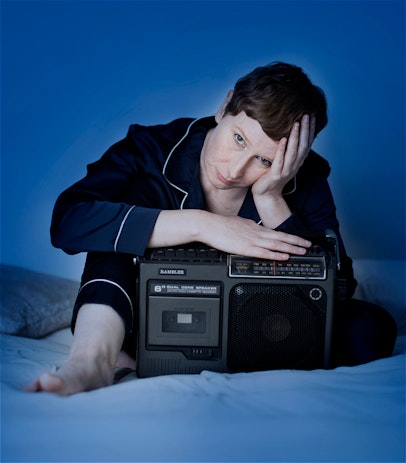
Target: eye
[
  {"x": 239, "y": 140},
  {"x": 265, "y": 162}
]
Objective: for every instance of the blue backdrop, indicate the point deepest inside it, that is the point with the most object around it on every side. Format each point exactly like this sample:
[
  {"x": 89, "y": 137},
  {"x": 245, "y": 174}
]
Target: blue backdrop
[{"x": 75, "y": 74}]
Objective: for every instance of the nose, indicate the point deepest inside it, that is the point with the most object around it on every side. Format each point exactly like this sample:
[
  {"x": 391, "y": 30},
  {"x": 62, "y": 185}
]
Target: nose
[{"x": 236, "y": 168}]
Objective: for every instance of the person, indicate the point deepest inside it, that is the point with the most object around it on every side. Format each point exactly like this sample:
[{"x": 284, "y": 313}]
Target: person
[{"x": 245, "y": 181}]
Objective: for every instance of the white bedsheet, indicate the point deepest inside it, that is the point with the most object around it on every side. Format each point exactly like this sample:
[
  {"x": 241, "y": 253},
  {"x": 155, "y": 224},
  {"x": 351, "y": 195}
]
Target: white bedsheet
[{"x": 342, "y": 415}]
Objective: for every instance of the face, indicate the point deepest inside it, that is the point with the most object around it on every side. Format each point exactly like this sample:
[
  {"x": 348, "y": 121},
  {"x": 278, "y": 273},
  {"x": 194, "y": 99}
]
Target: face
[{"x": 236, "y": 153}]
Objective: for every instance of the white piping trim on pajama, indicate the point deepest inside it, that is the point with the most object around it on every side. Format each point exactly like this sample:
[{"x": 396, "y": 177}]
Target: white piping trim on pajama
[
  {"x": 169, "y": 157},
  {"x": 121, "y": 227},
  {"x": 102, "y": 280}
]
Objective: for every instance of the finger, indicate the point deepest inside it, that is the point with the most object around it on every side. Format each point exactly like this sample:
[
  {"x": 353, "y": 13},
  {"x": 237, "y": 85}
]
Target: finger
[
  {"x": 275, "y": 254},
  {"x": 294, "y": 239},
  {"x": 312, "y": 129},
  {"x": 306, "y": 137},
  {"x": 288, "y": 248},
  {"x": 292, "y": 149},
  {"x": 283, "y": 242},
  {"x": 263, "y": 253},
  {"x": 294, "y": 137},
  {"x": 278, "y": 161}
]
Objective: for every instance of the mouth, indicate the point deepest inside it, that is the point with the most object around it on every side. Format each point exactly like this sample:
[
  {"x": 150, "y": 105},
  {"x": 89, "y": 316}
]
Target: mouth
[{"x": 224, "y": 180}]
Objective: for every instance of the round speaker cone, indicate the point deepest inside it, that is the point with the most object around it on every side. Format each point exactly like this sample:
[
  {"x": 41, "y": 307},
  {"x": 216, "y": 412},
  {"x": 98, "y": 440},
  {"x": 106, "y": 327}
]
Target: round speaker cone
[{"x": 276, "y": 327}]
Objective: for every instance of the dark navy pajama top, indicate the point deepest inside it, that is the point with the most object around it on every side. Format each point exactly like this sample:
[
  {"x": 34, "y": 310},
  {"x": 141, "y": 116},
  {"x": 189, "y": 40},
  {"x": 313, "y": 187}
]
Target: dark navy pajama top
[{"x": 111, "y": 212}]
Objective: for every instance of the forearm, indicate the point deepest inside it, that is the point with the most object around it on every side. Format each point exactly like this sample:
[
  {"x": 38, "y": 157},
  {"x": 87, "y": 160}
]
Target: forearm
[
  {"x": 233, "y": 234},
  {"x": 174, "y": 227}
]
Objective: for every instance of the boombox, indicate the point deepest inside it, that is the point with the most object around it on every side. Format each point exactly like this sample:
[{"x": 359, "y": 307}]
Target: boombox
[{"x": 202, "y": 309}]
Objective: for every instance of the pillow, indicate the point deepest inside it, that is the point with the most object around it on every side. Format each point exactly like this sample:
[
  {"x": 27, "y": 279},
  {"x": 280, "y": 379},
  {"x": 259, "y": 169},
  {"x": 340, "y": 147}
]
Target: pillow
[{"x": 34, "y": 304}]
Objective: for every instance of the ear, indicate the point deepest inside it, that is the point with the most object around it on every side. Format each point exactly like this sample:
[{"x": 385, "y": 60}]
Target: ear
[{"x": 221, "y": 110}]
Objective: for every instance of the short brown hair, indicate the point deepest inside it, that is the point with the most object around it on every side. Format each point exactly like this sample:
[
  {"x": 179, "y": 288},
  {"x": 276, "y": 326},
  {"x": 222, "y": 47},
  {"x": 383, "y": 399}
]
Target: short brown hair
[{"x": 277, "y": 95}]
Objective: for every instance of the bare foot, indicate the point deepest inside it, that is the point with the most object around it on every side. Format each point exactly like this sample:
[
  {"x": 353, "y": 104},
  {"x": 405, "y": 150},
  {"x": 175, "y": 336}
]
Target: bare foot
[
  {"x": 74, "y": 377},
  {"x": 95, "y": 350}
]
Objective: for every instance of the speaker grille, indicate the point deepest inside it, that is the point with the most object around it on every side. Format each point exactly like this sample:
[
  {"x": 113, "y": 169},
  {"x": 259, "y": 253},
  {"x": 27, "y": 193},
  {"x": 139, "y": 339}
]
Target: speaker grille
[{"x": 276, "y": 327}]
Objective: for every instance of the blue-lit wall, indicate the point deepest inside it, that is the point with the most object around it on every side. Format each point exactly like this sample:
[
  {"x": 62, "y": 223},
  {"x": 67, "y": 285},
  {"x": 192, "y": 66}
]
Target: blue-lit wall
[{"x": 75, "y": 74}]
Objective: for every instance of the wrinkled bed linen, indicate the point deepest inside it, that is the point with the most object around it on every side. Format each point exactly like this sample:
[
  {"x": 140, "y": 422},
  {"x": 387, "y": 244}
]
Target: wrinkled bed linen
[{"x": 346, "y": 414}]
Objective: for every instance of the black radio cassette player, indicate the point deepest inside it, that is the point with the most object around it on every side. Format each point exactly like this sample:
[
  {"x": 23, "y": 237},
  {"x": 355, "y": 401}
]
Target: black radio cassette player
[{"x": 202, "y": 309}]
